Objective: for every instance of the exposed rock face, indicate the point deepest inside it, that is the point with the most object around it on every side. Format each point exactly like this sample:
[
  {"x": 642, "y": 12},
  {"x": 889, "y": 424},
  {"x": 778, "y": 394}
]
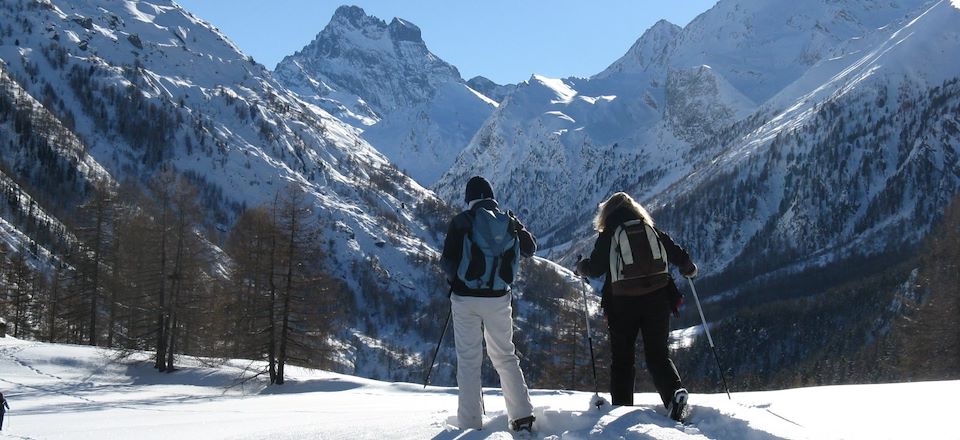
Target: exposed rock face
[{"x": 413, "y": 106}]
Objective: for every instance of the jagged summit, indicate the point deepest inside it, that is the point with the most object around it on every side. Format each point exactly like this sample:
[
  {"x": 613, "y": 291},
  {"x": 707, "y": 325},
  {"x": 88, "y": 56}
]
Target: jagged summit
[
  {"x": 651, "y": 48},
  {"x": 402, "y": 30},
  {"x": 386, "y": 66},
  {"x": 381, "y": 78},
  {"x": 354, "y": 16}
]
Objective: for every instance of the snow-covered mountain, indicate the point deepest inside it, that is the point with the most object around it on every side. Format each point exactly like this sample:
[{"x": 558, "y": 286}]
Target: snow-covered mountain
[
  {"x": 115, "y": 92},
  {"x": 123, "y": 88},
  {"x": 857, "y": 157},
  {"x": 567, "y": 142},
  {"x": 489, "y": 88},
  {"x": 411, "y": 105},
  {"x": 695, "y": 122},
  {"x": 840, "y": 153},
  {"x": 41, "y": 169}
]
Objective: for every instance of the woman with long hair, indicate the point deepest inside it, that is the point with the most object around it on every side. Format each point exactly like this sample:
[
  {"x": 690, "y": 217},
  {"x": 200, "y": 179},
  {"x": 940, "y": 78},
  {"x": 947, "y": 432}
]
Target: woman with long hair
[{"x": 638, "y": 296}]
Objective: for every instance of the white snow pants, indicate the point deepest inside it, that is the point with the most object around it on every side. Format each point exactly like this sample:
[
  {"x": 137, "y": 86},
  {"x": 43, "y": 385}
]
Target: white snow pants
[
  {"x": 497, "y": 323},
  {"x": 495, "y": 316}
]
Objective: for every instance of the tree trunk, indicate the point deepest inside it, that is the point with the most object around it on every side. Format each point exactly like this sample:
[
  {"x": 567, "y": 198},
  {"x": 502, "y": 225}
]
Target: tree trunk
[
  {"x": 272, "y": 351},
  {"x": 287, "y": 293},
  {"x": 54, "y": 303},
  {"x": 161, "y": 316},
  {"x": 115, "y": 286},
  {"x": 171, "y": 346},
  {"x": 95, "y": 288}
]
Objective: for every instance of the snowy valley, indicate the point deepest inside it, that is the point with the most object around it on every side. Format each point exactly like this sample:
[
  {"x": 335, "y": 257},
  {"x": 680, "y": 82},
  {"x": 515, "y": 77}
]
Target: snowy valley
[{"x": 807, "y": 154}]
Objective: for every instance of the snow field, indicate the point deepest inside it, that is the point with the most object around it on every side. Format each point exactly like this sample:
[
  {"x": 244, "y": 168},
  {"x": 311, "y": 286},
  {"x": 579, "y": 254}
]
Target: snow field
[{"x": 59, "y": 391}]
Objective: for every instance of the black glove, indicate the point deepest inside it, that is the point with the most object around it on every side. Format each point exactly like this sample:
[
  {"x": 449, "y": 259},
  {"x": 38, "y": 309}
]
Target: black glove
[
  {"x": 581, "y": 268},
  {"x": 517, "y": 225},
  {"x": 689, "y": 270}
]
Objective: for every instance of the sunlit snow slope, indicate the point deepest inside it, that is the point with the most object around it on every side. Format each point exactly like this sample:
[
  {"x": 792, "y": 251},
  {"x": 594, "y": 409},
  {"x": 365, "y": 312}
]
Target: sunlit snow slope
[{"x": 77, "y": 392}]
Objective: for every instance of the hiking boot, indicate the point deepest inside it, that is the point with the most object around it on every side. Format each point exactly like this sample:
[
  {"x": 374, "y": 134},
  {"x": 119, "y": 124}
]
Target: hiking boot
[
  {"x": 523, "y": 424},
  {"x": 678, "y": 405}
]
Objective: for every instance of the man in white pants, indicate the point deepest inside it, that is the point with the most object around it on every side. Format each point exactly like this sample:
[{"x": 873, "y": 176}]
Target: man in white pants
[{"x": 481, "y": 305}]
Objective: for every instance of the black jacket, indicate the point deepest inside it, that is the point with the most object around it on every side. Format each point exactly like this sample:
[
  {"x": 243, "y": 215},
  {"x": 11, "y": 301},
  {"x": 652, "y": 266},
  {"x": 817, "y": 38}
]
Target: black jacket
[
  {"x": 453, "y": 248},
  {"x": 599, "y": 262}
]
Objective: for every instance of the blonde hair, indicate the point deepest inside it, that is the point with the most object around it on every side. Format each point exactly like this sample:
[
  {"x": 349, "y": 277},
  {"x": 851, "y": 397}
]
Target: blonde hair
[{"x": 615, "y": 202}]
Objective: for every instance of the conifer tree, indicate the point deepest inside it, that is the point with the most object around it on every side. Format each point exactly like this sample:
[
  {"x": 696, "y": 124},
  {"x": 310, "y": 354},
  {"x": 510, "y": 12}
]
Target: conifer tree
[{"x": 94, "y": 231}]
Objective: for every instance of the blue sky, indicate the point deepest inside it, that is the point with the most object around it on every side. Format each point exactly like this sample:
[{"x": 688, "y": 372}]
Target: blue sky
[{"x": 504, "y": 40}]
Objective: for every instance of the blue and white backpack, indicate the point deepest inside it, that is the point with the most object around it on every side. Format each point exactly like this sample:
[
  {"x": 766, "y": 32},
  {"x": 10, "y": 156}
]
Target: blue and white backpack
[{"x": 491, "y": 251}]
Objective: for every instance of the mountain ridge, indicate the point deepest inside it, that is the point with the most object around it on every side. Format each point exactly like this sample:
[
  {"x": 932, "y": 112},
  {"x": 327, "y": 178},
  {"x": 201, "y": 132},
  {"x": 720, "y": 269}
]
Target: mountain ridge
[{"x": 413, "y": 106}]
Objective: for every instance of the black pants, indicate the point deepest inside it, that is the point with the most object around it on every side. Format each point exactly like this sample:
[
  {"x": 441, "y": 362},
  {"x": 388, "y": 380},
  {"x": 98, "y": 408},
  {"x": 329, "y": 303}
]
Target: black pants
[
  {"x": 1, "y": 419},
  {"x": 649, "y": 315}
]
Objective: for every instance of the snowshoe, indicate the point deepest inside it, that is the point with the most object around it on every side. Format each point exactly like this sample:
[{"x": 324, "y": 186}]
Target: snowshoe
[
  {"x": 598, "y": 402},
  {"x": 524, "y": 424},
  {"x": 678, "y": 406}
]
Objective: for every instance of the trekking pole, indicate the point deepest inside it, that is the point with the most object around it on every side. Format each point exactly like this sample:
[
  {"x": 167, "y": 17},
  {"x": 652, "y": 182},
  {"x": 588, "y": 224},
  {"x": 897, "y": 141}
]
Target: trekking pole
[
  {"x": 710, "y": 339},
  {"x": 593, "y": 360},
  {"x": 446, "y": 324},
  {"x": 483, "y": 400},
  {"x": 586, "y": 318}
]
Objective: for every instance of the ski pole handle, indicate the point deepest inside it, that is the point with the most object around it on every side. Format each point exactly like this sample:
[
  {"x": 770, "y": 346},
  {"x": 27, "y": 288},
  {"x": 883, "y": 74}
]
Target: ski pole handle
[{"x": 576, "y": 268}]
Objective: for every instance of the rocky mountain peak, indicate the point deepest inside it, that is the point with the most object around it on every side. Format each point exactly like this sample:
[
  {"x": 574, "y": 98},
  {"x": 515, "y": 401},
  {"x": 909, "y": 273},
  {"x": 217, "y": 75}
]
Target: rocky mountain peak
[
  {"x": 381, "y": 78},
  {"x": 489, "y": 88},
  {"x": 662, "y": 26},
  {"x": 386, "y": 66},
  {"x": 353, "y": 17},
  {"x": 652, "y": 47},
  {"x": 402, "y": 30}
]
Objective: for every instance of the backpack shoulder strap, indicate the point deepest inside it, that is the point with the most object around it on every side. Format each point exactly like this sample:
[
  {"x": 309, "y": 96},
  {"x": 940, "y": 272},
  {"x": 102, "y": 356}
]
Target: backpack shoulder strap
[
  {"x": 463, "y": 221},
  {"x": 656, "y": 246},
  {"x": 622, "y": 243}
]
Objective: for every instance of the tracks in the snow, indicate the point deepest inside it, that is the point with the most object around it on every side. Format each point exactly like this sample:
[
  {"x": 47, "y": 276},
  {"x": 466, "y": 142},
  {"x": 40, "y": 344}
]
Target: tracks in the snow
[{"x": 11, "y": 353}]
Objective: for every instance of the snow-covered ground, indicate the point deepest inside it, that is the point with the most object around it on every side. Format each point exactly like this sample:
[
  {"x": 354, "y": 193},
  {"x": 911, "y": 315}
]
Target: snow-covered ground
[{"x": 61, "y": 391}]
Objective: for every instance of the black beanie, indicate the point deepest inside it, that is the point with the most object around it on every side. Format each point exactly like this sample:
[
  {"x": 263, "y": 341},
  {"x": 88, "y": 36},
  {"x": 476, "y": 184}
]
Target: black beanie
[{"x": 478, "y": 188}]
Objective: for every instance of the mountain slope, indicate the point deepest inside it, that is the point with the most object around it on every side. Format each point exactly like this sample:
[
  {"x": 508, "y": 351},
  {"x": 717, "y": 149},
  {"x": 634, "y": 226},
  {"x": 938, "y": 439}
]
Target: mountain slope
[
  {"x": 581, "y": 133},
  {"x": 821, "y": 181},
  {"x": 650, "y": 121},
  {"x": 147, "y": 86},
  {"x": 413, "y": 106},
  {"x": 489, "y": 88},
  {"x": 43, "y": 165},
  {"x": 887, "y": 126},
  {"x": 131, "y": 91}
]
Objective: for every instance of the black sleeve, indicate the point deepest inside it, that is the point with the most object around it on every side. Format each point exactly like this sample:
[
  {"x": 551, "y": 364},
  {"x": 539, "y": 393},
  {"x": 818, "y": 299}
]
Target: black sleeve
[
  {"x": 528, "y": 243},
  {"x": 675, "y": 254},
  {"x": 453, "y": 246},
  {"x": 599, "y": 261}
]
